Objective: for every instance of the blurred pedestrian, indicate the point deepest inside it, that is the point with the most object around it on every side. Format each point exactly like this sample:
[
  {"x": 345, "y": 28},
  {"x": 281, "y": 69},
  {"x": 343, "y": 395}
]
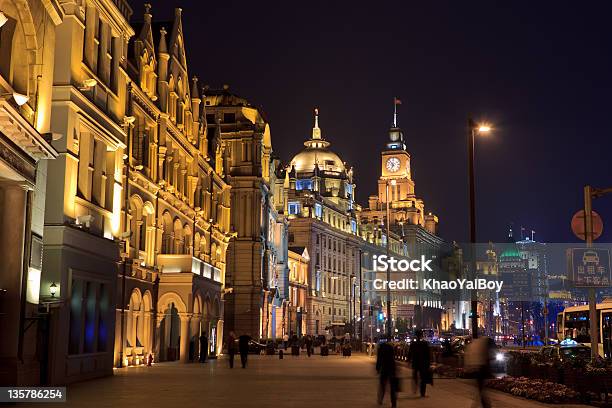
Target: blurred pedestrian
[
  {"x": 231, "y": 348},
  {"x": 385, "y": 366},
  {"x": 309, "y": 345},
  {"x": 203, "y": 348},
  {"x": 418, "y": 355},
  {"x": 478, "y": 357},
  {"x": 243, "y": 348}
]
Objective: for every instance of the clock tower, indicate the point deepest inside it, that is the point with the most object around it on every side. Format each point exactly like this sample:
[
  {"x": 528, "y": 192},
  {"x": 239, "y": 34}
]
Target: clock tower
[{"x": 395, "y": 165}]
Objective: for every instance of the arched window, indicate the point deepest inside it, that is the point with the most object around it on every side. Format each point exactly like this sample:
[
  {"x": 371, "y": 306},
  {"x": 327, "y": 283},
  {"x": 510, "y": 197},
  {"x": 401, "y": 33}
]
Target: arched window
[
  {"x": 178, "y": 237},
  {"x": 167, "y": 234}
]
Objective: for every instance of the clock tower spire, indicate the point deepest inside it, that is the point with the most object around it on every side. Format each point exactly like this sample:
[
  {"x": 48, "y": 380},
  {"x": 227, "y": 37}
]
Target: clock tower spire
[{"x": 395, "y": 163}]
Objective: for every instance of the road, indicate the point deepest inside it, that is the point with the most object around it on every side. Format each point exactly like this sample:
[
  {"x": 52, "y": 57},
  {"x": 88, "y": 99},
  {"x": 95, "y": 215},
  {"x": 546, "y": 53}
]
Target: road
[{"x": 314, "y": 382}]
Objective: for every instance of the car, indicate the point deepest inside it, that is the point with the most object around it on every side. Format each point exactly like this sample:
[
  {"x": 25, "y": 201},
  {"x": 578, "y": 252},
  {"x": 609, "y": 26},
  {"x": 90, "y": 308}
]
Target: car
[{"x": 578, "y": 352}]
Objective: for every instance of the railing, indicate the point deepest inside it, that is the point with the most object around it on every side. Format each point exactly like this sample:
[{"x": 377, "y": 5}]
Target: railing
[{"x": 188, "y": 264}]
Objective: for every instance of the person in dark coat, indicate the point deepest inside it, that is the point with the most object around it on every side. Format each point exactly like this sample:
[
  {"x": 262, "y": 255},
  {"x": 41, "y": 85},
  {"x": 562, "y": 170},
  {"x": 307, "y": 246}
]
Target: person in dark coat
[
  {"x": 231, "y": 348},
  {"x": 243, "y": 348},
  {"x": 485, "y": 346},
  {"x": 203, "y": 348},
  {"x": 418, "y": 355},
  {"x": 385, "y": 366},
  {"x": 308, "y": 342}
]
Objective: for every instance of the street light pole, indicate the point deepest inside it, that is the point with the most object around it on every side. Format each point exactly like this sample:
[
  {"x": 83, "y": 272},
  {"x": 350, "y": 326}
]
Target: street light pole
[
  {"x": 472, "y": 130},
  {"x": 589, "y": 194},
  {"x": 472, "y": 198}
]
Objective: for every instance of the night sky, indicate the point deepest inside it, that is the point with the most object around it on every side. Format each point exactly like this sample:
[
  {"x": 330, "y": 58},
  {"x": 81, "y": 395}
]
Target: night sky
[{"x": 540, "y": 73}]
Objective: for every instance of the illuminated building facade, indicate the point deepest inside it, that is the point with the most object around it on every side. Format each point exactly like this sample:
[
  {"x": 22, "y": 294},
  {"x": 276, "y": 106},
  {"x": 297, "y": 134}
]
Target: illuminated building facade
[
  {"x": 298, "y": 291},
  {"x": 27, "y": 47},
  {"x": 414, "y": 229},
  {"x": 257, "y": 270},
  {"x": 177, "y": 225},
  {"x": 85, "y": 185},
  {"x": 319, "y": 199}
]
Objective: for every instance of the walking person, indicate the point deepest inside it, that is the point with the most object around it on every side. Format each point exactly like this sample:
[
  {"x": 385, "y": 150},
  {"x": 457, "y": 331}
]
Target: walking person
[
  {"x": 308, "y": 345},
  {"x": 418, "y": 355},
  {"x": 385, "y": 366},
  {"x": 231, "y": 348},
  {"x": 243, "y": 348},
  {"x": 203, "y": 348},
  {"x": 478, "y": 357}
]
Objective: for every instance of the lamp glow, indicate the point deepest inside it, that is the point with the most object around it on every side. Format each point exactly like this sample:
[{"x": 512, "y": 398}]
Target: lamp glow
[
  {"x": 53, "y": 289},
  {"x": 20, "y": 99},
  {"x": 484, "y": 128},
  {"x": 90, "y": 82},
  {"x": 3, "y": 19}
]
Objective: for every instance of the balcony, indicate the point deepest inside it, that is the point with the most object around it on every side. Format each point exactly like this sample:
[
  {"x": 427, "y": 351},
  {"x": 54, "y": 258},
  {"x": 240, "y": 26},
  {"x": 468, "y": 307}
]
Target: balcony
[{"x": 188, "y": 264}]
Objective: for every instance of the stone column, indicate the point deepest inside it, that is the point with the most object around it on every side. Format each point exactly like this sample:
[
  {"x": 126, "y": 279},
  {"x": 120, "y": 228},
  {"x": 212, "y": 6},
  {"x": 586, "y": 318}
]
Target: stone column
[
  {"x": 184, "y": 341},
  {"x": 12, "y": 238},
  {"x": 157, "y": 338},
  {"x": 219, "y": 345},
  {"x": 197, "y": 321},
  {"x": 148, "y": 334}
]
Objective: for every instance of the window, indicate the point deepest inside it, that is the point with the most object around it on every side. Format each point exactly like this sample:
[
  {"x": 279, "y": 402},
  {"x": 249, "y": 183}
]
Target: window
[
  {"x": 305, "y": 184},
  {"x": 294, "y": 208},
  {"x": 210, "y": 118},
  {"x": 354, "y": 226},
  {"x": 318, "y": 211},
  {"x": 229, "y": 117},
  {"x": 143, "y": 234}
]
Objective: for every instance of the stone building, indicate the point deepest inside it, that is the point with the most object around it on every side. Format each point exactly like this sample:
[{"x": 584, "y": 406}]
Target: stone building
[
  {"x": 414, "y": 228},
  {"x": 176, "y": 209},
  {"x": 319, "y": 200},
  {"x": 85, "y": 185},
  {"x": 298, "y": 291},
  {"x": 257, "y": 271},
  {"x": 27, "y": 47}
]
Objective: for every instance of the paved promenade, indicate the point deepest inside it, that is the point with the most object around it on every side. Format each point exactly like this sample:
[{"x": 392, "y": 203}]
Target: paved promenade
[{"x": 268, "y": 382}]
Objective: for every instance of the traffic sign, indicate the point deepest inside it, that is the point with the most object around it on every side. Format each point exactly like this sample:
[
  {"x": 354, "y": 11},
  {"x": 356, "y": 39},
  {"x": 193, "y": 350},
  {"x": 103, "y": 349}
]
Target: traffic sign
[
  {"x": 578, "y": 225},
  {"x": 591, "y": 267}
]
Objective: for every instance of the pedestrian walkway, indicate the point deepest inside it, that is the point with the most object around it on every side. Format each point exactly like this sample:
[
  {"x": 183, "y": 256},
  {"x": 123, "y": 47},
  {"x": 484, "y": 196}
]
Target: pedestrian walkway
[{"x": 313, "y": 382}]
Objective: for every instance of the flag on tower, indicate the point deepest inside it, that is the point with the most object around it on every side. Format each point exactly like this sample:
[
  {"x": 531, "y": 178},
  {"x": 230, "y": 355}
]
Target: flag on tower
[{"x": 397, "y": 101}]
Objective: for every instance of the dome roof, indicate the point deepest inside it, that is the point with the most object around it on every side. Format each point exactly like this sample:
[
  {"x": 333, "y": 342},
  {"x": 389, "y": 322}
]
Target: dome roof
[
  {"x": 317, "y": 153},
  {"x": 511, "y": 252},
  {"x": 327, "y": 160}
]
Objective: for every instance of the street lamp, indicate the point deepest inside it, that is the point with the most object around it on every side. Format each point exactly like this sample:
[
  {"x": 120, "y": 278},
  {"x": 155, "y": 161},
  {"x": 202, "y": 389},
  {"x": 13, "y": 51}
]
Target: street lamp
[
  {"x": 474, "y": 129},
  {"x": 393, "y": 182},
  {"x": 53, "y": 289}
]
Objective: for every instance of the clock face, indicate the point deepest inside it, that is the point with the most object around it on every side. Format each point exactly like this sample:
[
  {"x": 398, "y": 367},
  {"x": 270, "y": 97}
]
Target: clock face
[{"x": 393, "y": 164}]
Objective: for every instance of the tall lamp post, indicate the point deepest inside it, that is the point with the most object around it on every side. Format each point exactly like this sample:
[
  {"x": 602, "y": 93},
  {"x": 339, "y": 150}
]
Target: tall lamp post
[
  {"x": 589, "y": 194},
  {"x": 473, "y": 130},
  {"x": 393, "y": 182}
]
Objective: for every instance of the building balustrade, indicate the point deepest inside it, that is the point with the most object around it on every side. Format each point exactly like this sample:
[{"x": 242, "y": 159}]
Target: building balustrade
[{"x": 188, "y": 264}]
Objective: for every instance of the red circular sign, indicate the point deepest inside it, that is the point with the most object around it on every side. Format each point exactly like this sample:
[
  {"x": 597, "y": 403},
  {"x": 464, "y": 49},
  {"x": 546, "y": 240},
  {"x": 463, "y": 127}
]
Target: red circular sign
[{"x": 578, "y": 225}]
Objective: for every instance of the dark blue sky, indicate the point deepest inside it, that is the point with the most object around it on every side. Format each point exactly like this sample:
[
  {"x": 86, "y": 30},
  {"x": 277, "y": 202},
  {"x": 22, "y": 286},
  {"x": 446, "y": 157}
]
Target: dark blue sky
[{"x": 541, "y": 72}]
